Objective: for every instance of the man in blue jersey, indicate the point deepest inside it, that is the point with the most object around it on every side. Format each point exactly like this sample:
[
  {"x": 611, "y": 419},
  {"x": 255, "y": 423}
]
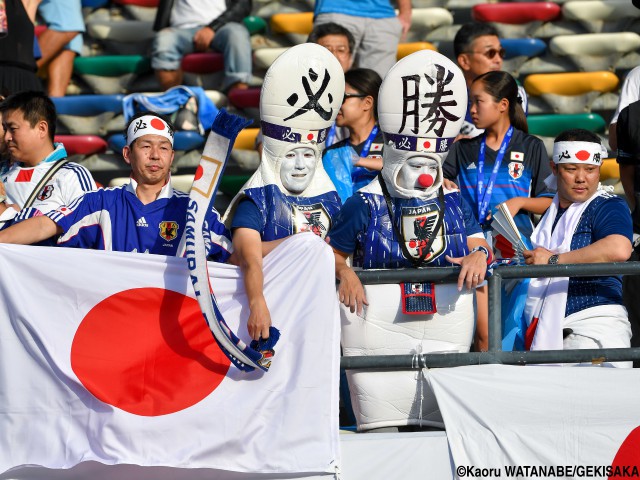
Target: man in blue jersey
[
  {"x": 38, "y": 178},
  {"x": 146, "y": 215},
  {"x": 584, "y": 224}
]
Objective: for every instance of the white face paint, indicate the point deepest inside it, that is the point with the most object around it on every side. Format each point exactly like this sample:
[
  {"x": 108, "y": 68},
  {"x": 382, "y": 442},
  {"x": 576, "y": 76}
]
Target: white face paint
[
  {"x": 297, "y": 169},
  {"x": 418, "y": 173}
]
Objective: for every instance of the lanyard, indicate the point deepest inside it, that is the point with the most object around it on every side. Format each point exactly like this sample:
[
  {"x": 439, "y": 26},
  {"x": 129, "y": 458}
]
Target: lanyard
[
  {"x": 331, "y": 136},
  {"x": 484, "y": 199},
  {"x": 367, "y": 144}
]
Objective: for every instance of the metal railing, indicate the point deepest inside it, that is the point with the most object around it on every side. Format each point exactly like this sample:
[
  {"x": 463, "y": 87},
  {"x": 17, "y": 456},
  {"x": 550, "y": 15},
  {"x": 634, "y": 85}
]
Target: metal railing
[{"x": 495, "y": 353}]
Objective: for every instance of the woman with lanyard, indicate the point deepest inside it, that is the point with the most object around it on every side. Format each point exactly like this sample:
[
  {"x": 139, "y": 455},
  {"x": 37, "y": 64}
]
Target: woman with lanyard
[
  {"x": 503, "y": 164},
  {"x": 356, "y": 160}
]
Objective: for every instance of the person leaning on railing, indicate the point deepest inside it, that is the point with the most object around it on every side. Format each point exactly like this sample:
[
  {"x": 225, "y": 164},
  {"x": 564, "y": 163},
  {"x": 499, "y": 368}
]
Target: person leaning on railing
[{"x": 584, "y": 224}]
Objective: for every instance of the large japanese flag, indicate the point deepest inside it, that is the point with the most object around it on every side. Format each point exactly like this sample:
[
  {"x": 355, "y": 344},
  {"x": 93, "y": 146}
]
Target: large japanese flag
[{"x": 105, "y": 357}]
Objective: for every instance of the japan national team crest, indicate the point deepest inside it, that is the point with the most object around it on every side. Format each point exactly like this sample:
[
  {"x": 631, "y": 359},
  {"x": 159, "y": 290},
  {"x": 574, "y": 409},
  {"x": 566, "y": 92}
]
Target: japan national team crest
[
  {"x": 169, "y": 230},
  {"x": 45, "y": 193},
  {"x": 417, "y": 225},
  {"x": 311, "y": 218},
  {"x": 516, "y": 169}
]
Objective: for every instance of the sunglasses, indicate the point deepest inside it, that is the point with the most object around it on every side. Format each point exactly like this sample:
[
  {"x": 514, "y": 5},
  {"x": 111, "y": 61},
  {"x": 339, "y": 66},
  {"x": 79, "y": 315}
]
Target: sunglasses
[
  {"x": 353, "y": 95},
  {"x": 492, "y": 52}
]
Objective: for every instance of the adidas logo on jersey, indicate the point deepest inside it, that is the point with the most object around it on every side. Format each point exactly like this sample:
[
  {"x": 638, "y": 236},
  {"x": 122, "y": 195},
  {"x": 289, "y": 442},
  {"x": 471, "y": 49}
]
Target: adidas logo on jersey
[
  {"x": 472, "y": 166},
  {"x": 142, "y": 222}
]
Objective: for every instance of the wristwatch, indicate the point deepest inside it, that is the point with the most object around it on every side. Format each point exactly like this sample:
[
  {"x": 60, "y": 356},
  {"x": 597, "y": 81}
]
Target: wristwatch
[{"x": 553, "y": 259}]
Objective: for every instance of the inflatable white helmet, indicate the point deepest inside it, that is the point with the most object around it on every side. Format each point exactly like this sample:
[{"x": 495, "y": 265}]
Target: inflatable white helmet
[{"x": 421, "y": 107}]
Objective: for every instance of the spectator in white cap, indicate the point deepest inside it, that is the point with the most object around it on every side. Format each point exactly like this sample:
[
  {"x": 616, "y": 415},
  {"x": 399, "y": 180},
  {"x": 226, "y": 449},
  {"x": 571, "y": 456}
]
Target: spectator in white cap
[
  {"x": 406, "y": 218},
  {"x": 290, "y": 192},
  {"x": 584, "y": 224},
  {"x": 146, "y": 215}
]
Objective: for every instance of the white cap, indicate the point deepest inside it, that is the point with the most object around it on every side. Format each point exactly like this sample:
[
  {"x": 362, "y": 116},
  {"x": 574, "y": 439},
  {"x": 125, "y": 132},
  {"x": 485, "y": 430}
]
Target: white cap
[{"x": 421, "y": 107}]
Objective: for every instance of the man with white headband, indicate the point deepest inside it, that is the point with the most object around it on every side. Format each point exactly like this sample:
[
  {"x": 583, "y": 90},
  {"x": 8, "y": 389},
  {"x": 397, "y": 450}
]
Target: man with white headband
[
  {"x": 584, "y": 224},
  {"x": 146, "y": 215},
  {"x": 290, "y": 192},
  {"x": 405, "y": 218}
]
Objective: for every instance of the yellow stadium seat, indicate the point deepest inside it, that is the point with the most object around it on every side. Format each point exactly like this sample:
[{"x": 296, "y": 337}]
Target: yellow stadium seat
[
  {"x": 405, "y": 49},
  {"x": 301, "y": 23},
  {"x": 246, "y": 139},
  {"x": 574, "y": 83},
  {"x": 609, "y": 169}
]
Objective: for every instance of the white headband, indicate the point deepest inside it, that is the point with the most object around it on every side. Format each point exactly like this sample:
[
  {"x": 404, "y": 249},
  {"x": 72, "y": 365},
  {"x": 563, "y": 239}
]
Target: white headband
[
  {"x": 149, "y": 125},
  {"x": 588, "y": 153}
]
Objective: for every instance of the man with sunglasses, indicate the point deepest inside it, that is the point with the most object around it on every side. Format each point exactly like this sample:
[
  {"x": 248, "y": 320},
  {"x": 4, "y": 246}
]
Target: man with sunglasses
[{"x": 478, "y": 51}]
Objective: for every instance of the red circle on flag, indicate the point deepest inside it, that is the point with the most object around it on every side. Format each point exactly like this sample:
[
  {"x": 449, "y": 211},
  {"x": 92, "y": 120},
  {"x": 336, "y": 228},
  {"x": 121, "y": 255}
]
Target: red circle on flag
[
  {"x": 427, "y": 144},
  {"x": 199, "y": 173},
  {"x": 147, "y": 351},
  {"x": 310, "y": 136},
  {"x": 157, "y": 124},
  {"x": 583, "y": 155}
]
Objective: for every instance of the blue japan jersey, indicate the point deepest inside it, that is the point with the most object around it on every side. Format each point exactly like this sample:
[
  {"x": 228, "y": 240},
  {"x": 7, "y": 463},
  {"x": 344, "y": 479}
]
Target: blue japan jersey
[
  {"x": 115, "y": 219},
  {"x": 363, "y": 228},
  {"x": 605, "y": 215},
  {"x": 521, "y": 174},
  {"x": 277, "y": 215}
]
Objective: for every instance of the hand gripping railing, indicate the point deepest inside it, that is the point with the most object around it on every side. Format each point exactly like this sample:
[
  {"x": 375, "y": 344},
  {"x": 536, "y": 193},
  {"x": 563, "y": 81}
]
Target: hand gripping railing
[{"x": 495, "y": 353}]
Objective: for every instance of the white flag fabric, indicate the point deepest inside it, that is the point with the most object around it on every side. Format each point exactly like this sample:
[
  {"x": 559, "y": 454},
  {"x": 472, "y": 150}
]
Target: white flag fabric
[
  {"x": 500, "y": 416},
  {"x": 106, "y": 357}
]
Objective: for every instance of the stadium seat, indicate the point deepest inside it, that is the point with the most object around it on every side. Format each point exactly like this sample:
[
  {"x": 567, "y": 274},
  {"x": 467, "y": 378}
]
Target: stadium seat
[
  {"x": 595, "y": 14},
  {"x": 203, "y": 62},
  {"x": 82, "y": 144},
  {"x": 405, "y": 49},
  {"x": 121, "y": 30},
  {"x": 246, "y": 139},
  {"x": 182, "y": 141},
  {"x": 519, "y": 51},
  {"x": 425, "y": 20},
  {"x": 108, "y": 74},
  {"x": 595, "y": 51},
  {"x": 552, "y": 125},
  {"x": 264, "y": 57},
  {"x": 255, "y": 24},
  {"x": 609, "y": 169},
  {"x": 144, "y": 10},
  {"x": 139, "y": 3},
  {"x": 94, "y": 3},
  {"x": 285, "y": 23},
  {"x": 87, "y": 114},
  {"x": 516, "y": 13},
  {"x": 247, "y": 98},
  {"x": 570, "y": 92}
]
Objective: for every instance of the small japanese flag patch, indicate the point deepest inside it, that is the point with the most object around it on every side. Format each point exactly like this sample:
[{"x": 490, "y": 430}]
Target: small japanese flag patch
[{"x": 519, "y": 156}]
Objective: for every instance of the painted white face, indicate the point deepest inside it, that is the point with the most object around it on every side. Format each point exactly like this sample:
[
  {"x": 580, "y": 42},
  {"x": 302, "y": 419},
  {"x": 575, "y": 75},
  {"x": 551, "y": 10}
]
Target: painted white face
[
  {"x": 418, "y": 173},
  {"x": 297, "y": 169}
]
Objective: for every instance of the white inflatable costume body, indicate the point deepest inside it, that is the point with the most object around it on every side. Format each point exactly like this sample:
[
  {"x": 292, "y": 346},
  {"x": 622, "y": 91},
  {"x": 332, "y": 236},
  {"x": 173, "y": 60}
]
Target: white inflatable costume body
[
  {"x": 422, "y": 104},
  {"x": 300, "y": 98}
]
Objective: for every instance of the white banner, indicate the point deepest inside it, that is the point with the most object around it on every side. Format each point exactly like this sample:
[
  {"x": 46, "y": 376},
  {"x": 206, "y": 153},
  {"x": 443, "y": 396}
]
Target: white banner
[
  {"x": 106, "y": 357},
  {"x": 541, "y": 421}
]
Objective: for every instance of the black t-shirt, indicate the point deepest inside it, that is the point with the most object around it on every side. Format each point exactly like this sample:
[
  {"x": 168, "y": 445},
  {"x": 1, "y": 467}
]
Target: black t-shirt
[{"x": 628, "y": 130}]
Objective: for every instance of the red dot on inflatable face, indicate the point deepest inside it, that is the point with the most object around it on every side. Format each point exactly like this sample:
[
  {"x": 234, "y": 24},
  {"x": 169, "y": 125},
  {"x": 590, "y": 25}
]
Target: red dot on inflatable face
[
  {"x": 147, "y": 351},
  {"x": 425, "y": 180},
  {"x": 583, "y": 155},
  {"x": 427, "y": 144},
  {"x": 157, "y": 124},
  {"x": 199, "y": 172},
  {"x": 310, "y": 136}
]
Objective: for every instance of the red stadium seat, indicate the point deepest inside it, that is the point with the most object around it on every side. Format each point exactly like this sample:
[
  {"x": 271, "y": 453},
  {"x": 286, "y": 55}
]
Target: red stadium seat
[
  {"x": 247, "y": 98},
  {"x": 202, "y": 63},
  {"x": 516, "y": 13},
  {"x": 82, "y": 144}
]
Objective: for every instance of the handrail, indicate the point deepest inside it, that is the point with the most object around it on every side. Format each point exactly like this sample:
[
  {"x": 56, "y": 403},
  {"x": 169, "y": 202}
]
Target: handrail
[{"x": 494, "y": 355}]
